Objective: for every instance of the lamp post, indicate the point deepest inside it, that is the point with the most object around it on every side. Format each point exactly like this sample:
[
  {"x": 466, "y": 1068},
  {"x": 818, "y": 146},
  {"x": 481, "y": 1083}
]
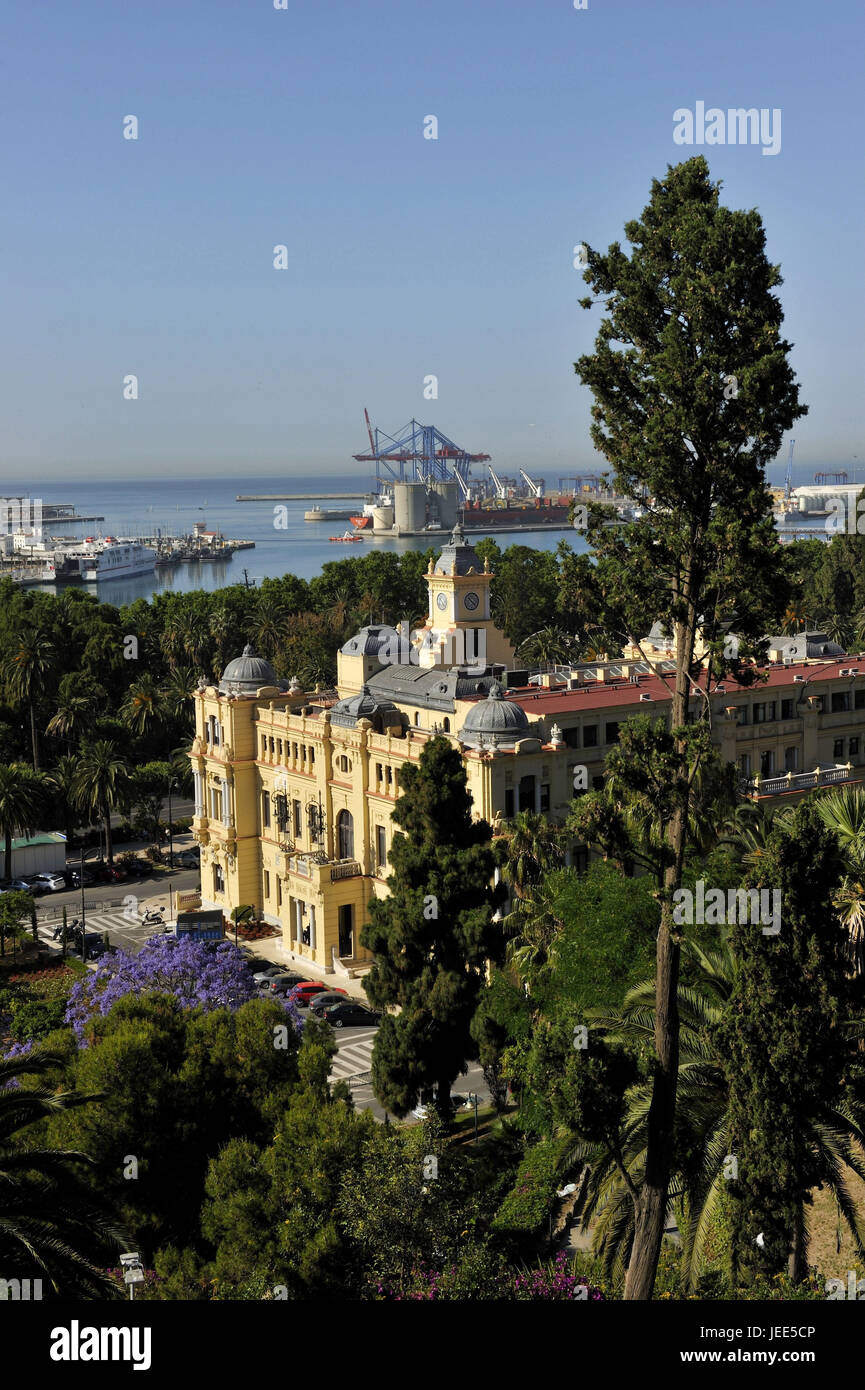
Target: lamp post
[{"x": 171, "y": 784}]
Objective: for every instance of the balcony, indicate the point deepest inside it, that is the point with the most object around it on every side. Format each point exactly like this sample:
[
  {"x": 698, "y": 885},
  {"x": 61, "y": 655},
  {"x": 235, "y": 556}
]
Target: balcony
[
  {"x": 320, "y": 870},
  {"x": 345, "y": 868},
  {"x": 757, "y": 788}
]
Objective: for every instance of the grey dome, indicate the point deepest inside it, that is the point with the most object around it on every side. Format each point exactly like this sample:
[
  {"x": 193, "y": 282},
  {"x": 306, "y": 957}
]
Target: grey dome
[
  {"x": 248, "y": 673},
  {"x": 370, "y": 640},
  {"x": 494, "y": 721},
  {"x": 458, "y": 556},
  {"x": 363, "y": 705}
]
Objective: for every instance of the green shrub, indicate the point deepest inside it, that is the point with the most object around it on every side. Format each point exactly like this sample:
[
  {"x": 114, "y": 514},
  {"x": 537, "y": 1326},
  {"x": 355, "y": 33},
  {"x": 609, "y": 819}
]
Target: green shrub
[
  {"x": 36, "y": 1018},
  {"x": 527, "y": 1206}
]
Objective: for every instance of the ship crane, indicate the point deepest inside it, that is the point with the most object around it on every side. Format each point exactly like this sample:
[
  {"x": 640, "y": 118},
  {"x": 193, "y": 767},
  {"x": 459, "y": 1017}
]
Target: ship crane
[
  {"x": 788, "y": 481},
  {"x": 536, "y": 488},
  {"x": 501, "y": 490}
]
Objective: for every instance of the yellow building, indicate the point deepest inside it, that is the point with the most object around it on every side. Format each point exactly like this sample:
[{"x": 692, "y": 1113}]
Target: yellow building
[{"x": 294, "y": 791}]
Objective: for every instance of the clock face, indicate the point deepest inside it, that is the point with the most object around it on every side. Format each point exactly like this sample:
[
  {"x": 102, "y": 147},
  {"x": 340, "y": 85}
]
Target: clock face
[
  {"x": 442, "y": 601},
  {"x": 471, "y": 601}
]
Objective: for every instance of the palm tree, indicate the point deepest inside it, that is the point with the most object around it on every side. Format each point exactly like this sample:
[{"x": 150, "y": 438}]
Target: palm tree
[
  {"x": 72, "y": 720},
  {"x": 703, "y": 1136},
  {"x": 50, "y": 1225},
  {"x": 843, "y": 812},
  {"x": 142, "y": 707},
  {"x": 22, "y": 798},
  {"x": 534, "y": 846},
  {"x": 177, "y": 691},
  {"x": 63, "y": 779},
  {"x": 535, "y": 926},
  {"x": 25, "y": 672},
  {"x": 550, "y": 646},
  {"x": 271, "y": 618},
  {"x": 103, "y": 783}
]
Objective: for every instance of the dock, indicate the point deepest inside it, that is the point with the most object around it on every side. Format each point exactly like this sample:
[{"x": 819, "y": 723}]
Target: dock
[{"x": 302, "y": 497}]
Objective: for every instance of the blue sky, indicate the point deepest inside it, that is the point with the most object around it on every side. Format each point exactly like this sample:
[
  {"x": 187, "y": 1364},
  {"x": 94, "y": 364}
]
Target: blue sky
[{"x": 407, "y": 256}]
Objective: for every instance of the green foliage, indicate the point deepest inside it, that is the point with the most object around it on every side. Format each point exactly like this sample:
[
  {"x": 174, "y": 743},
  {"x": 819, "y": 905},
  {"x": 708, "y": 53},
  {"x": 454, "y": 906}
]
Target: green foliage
[
  {"x": 433, "y": 936},
  {"x": 522, "y": 1215}
]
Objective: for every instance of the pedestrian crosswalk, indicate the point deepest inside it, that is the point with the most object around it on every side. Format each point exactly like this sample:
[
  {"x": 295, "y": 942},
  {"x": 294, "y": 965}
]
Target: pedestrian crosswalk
[
  {"x": 354, "y": 1057},
  {"x": 128, "y": 933}
]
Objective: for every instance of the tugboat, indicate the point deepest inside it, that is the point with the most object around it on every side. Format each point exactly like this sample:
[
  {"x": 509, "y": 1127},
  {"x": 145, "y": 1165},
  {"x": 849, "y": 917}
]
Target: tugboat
[{"x": 347, "y": 537}]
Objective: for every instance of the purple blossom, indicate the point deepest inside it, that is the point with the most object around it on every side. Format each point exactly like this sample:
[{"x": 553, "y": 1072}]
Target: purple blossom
[
  {"x": 17, "y": 1049},
  {"x": 198, "y": 976}
]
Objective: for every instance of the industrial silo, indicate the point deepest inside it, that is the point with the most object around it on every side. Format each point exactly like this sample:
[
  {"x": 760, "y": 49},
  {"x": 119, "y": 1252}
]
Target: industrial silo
[
  {"x": 409, "y": 506},
  {"x": 382, "y": 519},
  {"x": 446, "y": 492}
]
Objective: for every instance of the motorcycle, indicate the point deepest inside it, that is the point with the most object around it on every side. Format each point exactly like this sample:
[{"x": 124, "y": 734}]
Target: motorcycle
[{"x": 153, "y": 919}]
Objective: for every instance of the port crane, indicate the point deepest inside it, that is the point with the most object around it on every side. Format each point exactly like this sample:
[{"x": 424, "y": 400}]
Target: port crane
[
  {"x": 788, "y": 481},
  {"x": 501, "y": 490},
  {"x": 537, "y": 488},
  {"x": 429, "y": 454}
]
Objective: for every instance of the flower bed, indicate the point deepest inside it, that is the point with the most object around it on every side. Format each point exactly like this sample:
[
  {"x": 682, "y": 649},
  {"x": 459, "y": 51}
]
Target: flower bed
[{"x": 255, "y": 932}]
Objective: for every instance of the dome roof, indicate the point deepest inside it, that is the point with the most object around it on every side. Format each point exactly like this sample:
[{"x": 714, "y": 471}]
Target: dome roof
[
  {"x": 370, "y": 640},
  {"x": 363, "y": 705},
  {"x": 248, "y": 673},
  {"x": 458, "y": 556},
  {"x": 494, "y": 721}
]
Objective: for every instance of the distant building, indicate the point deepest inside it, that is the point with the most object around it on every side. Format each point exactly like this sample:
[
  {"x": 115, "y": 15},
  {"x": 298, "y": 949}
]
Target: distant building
[
  {"x": 294, "y": 790},
  {"x": 44, "y": 852}
]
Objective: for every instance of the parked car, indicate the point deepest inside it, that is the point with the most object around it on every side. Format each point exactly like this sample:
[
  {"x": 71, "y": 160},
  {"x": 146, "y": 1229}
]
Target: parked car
[
  {"x": 35, "y": 884},
  {"x": 323, "y": 1001},
  {"x": 270, "y": 972},
  {"x": 53, "y": 882},
  {"x": 75, "y": 878},
  {"x": 16, "y": 885},
  {"x": 188, "y": 859},
  {"x": 349, "y": 1014},
  {"x": 283, "y": 984},
  {"x": 421, "y": 1111},
  {"x": 306, "y": 991}
]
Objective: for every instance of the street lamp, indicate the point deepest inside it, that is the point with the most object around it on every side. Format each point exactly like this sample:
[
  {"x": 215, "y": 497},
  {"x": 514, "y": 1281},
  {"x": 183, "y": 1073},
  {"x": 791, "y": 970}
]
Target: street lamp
[
  {"x": 133, "y": 1271},
  {"x": 171, "y": 783}
]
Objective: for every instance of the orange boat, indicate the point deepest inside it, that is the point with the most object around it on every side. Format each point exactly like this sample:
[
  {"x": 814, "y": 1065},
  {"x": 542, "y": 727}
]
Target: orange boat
[{"x": 346, "y": 537}]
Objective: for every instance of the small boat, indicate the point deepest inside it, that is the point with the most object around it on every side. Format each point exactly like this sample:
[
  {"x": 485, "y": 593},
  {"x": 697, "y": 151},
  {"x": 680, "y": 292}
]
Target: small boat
[{"x": 346, "y": 537}]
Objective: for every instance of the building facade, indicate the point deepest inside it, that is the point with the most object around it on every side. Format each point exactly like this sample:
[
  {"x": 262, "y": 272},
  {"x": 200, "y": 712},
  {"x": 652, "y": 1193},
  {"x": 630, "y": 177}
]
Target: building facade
[{"x": 294, "y": 791}]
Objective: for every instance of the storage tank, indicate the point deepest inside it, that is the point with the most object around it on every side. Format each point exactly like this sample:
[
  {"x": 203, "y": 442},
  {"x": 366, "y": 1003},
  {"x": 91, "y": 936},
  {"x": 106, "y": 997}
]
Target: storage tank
[
  {"x": 382, "y": 519},
  {"x": 409, "y": 506},
  {"x": 446, "y": 491}
]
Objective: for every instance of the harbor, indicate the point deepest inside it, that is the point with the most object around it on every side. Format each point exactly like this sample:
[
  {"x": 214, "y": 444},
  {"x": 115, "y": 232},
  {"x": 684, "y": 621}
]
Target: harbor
[{"x": 30, "y": 557}]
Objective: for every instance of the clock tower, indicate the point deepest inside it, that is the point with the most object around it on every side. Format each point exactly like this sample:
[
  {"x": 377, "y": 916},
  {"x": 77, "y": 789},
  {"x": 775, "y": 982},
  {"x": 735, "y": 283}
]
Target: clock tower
[{"x": 459, "y": 630}]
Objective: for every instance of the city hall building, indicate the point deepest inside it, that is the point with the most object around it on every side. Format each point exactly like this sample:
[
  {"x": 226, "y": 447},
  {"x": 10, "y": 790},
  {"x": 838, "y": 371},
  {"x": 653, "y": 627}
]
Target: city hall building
[{"x": 294, "y": 790}]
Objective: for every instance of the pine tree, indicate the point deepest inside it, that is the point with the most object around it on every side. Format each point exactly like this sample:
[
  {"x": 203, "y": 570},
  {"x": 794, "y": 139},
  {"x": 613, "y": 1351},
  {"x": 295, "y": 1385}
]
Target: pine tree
[
  {"x": 434, "y": 935},
  {"x": 786, "y": 1045},
  {"x": 692, "y": 395}
]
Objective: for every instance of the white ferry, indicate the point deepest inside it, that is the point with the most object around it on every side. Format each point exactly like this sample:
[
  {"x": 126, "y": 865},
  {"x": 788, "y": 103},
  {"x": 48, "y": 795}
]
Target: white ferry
[{"x": 108, "y": 558}]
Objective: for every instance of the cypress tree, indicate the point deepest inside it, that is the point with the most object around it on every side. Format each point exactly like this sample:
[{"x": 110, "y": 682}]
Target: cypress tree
[{"x": 433, "y": 936}]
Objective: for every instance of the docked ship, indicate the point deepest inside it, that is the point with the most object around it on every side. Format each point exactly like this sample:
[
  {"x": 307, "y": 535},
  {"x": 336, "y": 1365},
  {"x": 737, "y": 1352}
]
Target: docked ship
[
  {"x": 364, "y": 521},
  {"x": 99, "y": 560}
]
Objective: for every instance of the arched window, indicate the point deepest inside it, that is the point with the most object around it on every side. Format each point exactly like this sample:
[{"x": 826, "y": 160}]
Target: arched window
[
  {"x": 446, "y": 725},
  {"x": 345, "y": 835}
]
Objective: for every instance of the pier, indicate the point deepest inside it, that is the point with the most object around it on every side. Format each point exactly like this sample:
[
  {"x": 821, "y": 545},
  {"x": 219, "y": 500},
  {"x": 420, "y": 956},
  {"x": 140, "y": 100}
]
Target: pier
[{"x": 302, "y": 497}]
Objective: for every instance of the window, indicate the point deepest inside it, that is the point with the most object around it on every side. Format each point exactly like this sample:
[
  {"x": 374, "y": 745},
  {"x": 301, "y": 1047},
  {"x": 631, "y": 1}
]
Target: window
[
  {"x": 265, "y": 811},
  {"x": 509, "y": 803},
  {"x": 571, "y": 737},
  {"x": 389, "y": 772},
  {"x": 294, "y": 746},
  {"x": 446, "y": 725},
  {"x": 218, "y": 879},
  {"x": 787, "y": 710},
  {"x": 612, "y": 733},
  {"x": 767, "y": 763},
  {"x": 590, "y": 736},
  {"x": 297, "y": 811},
  {"x": 745, "y": 764},
  {"x": 840, "y": 701},
  {"x": 791, "y": 759},
  {"x": 346, "y": 930},
  {"x": 853, "y": 747},
  {"x": 311, "y": 755},
  {"x": 416, "y": 718},
  {"x": 264, "y": 747},
  {"x": 581, "y": 860},
  {"x": 379, "y": 773},
  {"x": 343, "y": 763},
  {"x": 770, "y": 711},
  {"x": 345, "y": 835},
  {"x": 266, "y": 883},
  {"x": 838, "y": 748},
  {"x": 527, "y": 793},
  {"x": 279, "y": 749},
  {"x": 272, "y": 746},
  {"x": 278, "y": 891},
  {"x": 545, "y": 797},
  {"x": 380, "y": 848},
  {"x": 760, "y": 713},
  {"x": 743, "y": 715},
  {"x": 859, "y": 699}
]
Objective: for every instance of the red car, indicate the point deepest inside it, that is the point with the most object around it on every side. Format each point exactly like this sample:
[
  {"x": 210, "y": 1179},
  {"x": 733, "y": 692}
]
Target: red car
[{"x": 308, "y": 989}]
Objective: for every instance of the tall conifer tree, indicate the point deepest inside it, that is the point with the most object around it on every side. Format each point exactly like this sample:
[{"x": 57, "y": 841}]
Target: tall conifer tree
[{"x": 433, "y": 936}]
